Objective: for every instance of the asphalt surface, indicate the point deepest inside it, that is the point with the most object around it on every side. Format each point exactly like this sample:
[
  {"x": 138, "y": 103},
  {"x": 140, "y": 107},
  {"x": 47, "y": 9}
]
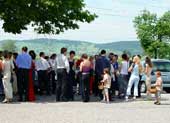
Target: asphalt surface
[{"x": 46, "y": 110}]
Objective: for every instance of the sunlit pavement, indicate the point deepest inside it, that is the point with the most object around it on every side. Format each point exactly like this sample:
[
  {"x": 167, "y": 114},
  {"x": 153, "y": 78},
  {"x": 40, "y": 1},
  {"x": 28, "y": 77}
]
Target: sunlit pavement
[{"x": 46, "y": 110}]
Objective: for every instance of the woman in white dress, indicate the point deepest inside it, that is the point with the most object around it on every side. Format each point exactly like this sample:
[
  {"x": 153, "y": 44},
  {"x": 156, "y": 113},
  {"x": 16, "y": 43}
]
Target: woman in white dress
[{"x": 6, "y": 70}]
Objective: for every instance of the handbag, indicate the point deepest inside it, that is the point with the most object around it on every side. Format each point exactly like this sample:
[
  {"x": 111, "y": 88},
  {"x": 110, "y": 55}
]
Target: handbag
[
  {"x": 153, "y": 90},
  {"x": 101, "y": 86}
]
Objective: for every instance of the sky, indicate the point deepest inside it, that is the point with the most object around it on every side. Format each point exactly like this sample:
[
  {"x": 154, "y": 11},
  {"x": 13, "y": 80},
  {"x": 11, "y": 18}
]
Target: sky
[{"x": 114, "y": 22}]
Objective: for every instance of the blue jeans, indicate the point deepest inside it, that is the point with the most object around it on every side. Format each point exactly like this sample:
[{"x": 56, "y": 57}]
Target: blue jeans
[{"x": 133, "y": 80}]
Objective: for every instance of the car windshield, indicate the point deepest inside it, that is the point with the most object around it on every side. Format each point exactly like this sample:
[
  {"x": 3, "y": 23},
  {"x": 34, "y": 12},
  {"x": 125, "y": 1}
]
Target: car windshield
[{"x": 161, "y": 66}]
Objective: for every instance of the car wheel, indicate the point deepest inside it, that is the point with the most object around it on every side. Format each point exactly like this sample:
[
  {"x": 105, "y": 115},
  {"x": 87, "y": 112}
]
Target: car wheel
[
  {"x": 143, "y": 87},
  {"x": 167, "y": 90}
]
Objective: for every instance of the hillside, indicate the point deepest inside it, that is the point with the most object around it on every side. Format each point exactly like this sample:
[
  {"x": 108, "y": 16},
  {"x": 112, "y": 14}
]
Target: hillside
[{"x": 53, "y": 45}]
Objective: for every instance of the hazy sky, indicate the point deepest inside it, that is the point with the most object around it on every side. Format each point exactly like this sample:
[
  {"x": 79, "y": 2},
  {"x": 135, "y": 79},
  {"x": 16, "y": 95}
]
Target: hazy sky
[{"x": 113, "y": 24}]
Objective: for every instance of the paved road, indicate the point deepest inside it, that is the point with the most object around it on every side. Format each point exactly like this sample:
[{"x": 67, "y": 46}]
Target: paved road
[{"x": 46, "y": 110}]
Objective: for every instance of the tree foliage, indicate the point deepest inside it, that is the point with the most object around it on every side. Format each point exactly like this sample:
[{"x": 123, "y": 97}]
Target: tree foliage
[
  {"x": 9, "y": 45},
  {"x": 46, "y": 16},
  {"x": 154, "y": 33}
]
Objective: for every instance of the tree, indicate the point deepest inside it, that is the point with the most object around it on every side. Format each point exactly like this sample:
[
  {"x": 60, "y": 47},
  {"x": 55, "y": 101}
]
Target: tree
[
  {"x": 9, "y": 46},
  {"x": 46, "y": 16},
  {"x": 154, "y": 33}
]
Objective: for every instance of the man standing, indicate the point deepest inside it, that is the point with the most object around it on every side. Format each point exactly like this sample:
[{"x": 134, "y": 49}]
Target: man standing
[
  {"x": 62, "y": 71},
  {"x": 23, "y": 63},
  {"x": 43, "y": 68},
  {"x": 101, "y": 63}
]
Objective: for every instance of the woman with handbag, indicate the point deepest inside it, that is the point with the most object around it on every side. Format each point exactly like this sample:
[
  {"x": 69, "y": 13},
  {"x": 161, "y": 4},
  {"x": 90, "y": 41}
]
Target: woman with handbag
[{"x": 148, "y": 70}]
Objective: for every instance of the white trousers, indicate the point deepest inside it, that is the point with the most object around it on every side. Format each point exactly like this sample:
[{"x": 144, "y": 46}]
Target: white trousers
[
  {"x": 133, "y": 80},
  {"x": 7, "y": 87}
]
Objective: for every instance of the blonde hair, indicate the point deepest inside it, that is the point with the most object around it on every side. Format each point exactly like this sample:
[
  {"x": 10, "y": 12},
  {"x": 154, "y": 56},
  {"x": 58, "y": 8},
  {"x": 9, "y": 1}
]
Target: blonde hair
[{"x": 137, "y": 61}]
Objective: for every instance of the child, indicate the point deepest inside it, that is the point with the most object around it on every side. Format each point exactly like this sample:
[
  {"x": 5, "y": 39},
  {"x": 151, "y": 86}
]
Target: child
[
  {"x": 158, "y": 86},
  {"x": 107, "y": 84}
]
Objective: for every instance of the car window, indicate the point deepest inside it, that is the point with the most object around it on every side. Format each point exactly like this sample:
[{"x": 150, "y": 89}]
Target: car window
[{"x": 161, "y": 66}]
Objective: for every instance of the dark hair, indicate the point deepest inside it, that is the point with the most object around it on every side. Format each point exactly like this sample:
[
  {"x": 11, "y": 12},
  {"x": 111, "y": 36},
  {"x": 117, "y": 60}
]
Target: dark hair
[
  {"x": 25, "y": 49},
  {"x": 6, "y": 54},
  {"x": 148, "y": 61},
  {"x": 63, "y": 50},
  {"x": 124, "y": 57},
  {"x": 139, "y": 56},
  {"x": 85, "y": 56},
  {"x": 72, "y": 52},
  {"x": 116, "y": 56},
  {"x": 46, "y": 57},
  {"x": 158, "y": 73},
  {"x": 53, "y": 56},
  {"x": 32, "y": 54},
  {"x": 41, "y": 54},
  {"x": 15, "y": 55},
  {"x": 106, "y": 70},
  {"x": 103, "y": 52},
  {"x": 10, "y": 54}
]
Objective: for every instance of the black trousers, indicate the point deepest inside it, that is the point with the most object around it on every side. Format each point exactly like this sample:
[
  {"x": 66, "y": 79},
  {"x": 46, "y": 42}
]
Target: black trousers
[
  {"x": 53, "y": 82},
  {"x": 23, "y": 80},
  {"x": 86, "y": 87},
  {"x": 43, "y": 80},
  {"x": 61, "y": 85}
]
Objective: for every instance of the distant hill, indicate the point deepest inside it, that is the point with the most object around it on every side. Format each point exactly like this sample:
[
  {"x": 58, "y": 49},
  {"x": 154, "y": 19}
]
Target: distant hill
[{"x": 53, "y": 46}]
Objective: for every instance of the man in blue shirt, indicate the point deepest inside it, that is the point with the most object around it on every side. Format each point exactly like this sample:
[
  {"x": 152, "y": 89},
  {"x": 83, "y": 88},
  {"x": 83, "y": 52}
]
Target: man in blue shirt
[{"x": 23, "y": 63}]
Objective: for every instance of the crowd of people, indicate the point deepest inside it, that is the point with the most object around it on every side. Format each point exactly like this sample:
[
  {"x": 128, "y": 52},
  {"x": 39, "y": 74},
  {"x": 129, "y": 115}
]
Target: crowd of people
[{"x": 27, "y": 74}]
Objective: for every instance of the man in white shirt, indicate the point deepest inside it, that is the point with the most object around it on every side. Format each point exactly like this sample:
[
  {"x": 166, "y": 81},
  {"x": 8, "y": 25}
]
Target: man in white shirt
[
  {"x": 62, "y": 71},
  {"x": 43, "y": 67},
  {"x": 53, "y": 65}
]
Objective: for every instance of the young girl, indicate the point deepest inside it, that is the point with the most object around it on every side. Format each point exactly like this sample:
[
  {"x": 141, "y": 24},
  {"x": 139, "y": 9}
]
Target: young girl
[
  {"x": 107, "y": 84},
  {"x": 158, "y": 86}
]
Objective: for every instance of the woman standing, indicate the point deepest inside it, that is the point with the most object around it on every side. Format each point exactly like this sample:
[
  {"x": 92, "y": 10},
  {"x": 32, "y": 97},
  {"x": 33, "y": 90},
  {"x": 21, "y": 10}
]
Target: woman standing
[
  {"x": 72, "y": 82},
  {"x": 91, "y": 59},
  {"x": 7, "y": 71},
  {"x": 135, "y": 69},
  {"x": 14, "y": 75},
  {"x": 124, "y": 75},
  {"x": 148, "y": 70},
  {"x": 85, "y": 68},
  {"x": 31, "y": 95}
]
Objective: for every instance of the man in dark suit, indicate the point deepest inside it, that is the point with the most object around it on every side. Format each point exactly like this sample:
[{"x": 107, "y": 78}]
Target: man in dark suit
[{"x": 101, "y": 63}]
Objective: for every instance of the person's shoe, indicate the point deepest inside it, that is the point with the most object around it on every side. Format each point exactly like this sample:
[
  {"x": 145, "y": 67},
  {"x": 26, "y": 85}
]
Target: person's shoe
[
  {"x": 64, "y": 100},
  {"x": 4, "y": 101},
  {"x": 134, "y": 98},
  {"x": 10, "y": 100},
  {"x": 103, "y": 101},
  {"x": 107, "y": 102},
  {"x": 126, "y": 98},
  {"x": 20, "y": 100},
  {"x": 156, "y": 102}
]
